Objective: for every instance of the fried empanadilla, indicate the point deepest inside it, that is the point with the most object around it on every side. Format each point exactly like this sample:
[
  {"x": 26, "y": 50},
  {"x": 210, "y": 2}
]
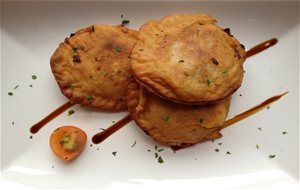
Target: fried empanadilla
[
  {"x": 188, "y": 59},
  {"x": 92, "y": 66}
]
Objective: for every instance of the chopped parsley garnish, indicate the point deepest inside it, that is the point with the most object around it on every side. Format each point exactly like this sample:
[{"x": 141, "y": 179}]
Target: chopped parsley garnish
[
  {"x": 113, "y": 122},
  {"x": 268, "y": 107},
  {"x": 31, "y": 137},
  {"x": 133, "y": 144},
  {"x": 30, "y": 85},
  {"x": 81, "y": 47},
  {"x": 122, "y": 16},
  {"x": 181, "y": 61},
  {"x": 13, "y": 123},
  {"x": 71, "y": 112},
  {"x": 148, "y": 150},
  {"x": 284, "y": 132},
  {"x": 114, "y": 153},
  {"x": 201, "y": 120},
  {"x": 160, "y": 160},
  {"x": 118, "y": 49},
  {"x": 228, "y": 152},
  {"x": 10, "y": 93},
  {"x": 17, "y": 86},
  {"x": 208, "y": 82},
  {"x": 213, "y": 140},
  {"x": 125, "y": 22},
  {"x": 216, "y": 150},
  {"x": 272, "y": 156},
  {"x": 155, "y": 147},
  {"x": 91, "y": 145},
  {"x": 219, "y": 143},
  {"x": 156, "y": 155},
  {"x": 240, "y": 94},
  {"x": 33, "y": 77},
  {"x": 259, "y": 128},
  {"x": 89, "y": 97},
  {"x": 160, "y": 150},
  {"x": 257, "y": 147},
  {"x": 166, "y": 118}
]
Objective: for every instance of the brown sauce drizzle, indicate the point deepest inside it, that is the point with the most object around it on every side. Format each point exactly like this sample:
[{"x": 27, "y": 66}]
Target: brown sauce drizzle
[
  {"x": 261, "y": 47},
  {"x": 99, "y": 137},
  {"x": 36, "y": 127},
  {"x": 252, "y": 111}
]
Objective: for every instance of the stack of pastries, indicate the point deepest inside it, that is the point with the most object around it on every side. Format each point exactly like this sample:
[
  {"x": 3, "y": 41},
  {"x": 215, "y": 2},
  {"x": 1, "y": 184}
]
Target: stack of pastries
[{"x": 175, "y": 76}]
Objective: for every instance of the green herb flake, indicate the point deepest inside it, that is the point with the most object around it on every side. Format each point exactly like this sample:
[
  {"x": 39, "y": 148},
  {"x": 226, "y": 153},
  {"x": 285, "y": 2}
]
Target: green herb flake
[
  {"x": 13, "y": 122},
  {"x": 118, "y": 49},
  {"x": 17, "y": 86},
  {"x": 52, "y": 166},
  {"x": 113, "y": 121},
  {"x": 259, "y": 128},
  {"x": 228, "y": 152},
  {"x": 219, "y": 143},
  {"x": 240, "y": 94},
  {"x": 91, "y": 145},
  {"x": 31, "y": 137},
  {"x": 181, "y": 61},
  {"x": 165, "y": 118},
  {"x": 34, "y": 77},
  {"x": 10, "y": 93},
  {"x": 148, "y": 150},
  {"x": 160, "y": 150},
  {"x": 257, "y": 147},
  {"x": 70, "y": 112},
  {"x": 125, "y": 22},
  {"x": 155, "y": 147},
  {"x": 89, "y": 97},
  {"x": 284, "y": 132},
  {"x": 114, "y": 153},
  {"x": 272, "y": 156},
  {"x": 160, "y": 160},
  {"x": 224, "y": 73},
  {"x": 208, "y": 82},
  {"x": 81, "y": 47},
  {"x": 133, "y": 144},
  {"x": 156, "y": 155},
  {"x": 213, "y": 140},
  {"x": 268, "y": 107},
  {"x": 217, "y": 150},
  {"x": 30, "y": 85}
]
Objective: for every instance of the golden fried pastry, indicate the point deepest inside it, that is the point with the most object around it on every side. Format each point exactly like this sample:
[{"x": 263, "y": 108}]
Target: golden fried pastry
[
  {"x": 188, "y": 59},
  {"x": 175, "y": 124},
  {"x": 92, "y": 67}
]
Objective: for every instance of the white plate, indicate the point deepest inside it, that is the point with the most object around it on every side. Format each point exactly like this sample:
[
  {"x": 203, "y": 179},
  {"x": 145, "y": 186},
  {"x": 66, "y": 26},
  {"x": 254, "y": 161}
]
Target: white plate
[{"x": 32, "y": 31}]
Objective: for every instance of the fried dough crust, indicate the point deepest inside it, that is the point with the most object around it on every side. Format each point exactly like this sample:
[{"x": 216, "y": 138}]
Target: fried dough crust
[
  {"x": 188, "y": 59},
  {"x": 92, "y": 67},
  {"x": 175, "y": 124}
]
